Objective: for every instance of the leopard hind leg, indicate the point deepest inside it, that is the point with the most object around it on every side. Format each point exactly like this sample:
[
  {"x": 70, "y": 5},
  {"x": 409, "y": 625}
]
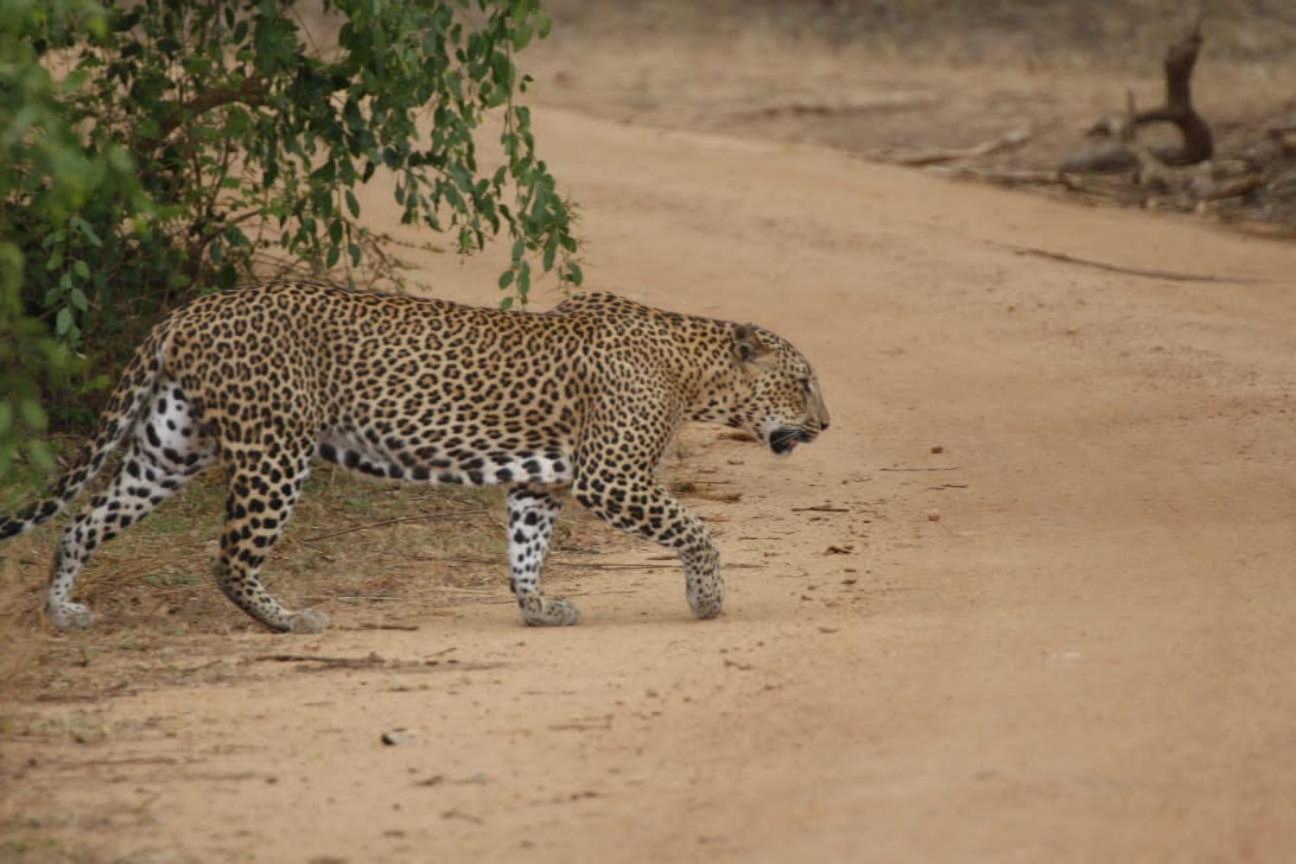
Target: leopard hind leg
[
  {"x": 532, "y": 514},
  {"x": 168, "y": 447}
]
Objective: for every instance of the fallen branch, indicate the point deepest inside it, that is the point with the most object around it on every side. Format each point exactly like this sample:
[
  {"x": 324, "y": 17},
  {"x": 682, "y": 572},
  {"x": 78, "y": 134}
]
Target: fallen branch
[
  {"x": 1023, "y": 177},
  {"x": 931, "y": 156},
  {"x": 1235, "y": 188},
  {"x": 871, "y": 102},
  {"x": 1131, "y": 271}
]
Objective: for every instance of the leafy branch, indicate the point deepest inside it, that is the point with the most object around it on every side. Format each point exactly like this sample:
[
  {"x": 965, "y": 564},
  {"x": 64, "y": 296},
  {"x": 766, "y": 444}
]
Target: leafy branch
[{"x": 194, "y": 142}]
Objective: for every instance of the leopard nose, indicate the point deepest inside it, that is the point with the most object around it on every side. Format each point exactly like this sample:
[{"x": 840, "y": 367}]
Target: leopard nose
[{"x": 823, "y": 427}]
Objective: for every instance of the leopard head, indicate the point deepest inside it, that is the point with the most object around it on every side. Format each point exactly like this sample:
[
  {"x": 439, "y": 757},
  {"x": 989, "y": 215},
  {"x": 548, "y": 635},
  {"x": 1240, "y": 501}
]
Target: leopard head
[{"x": 777, "y": 398}]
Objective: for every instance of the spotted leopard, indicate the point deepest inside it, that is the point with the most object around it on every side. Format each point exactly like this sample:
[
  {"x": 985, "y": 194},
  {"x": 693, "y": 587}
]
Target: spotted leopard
[{"x": 580, "y": 400}]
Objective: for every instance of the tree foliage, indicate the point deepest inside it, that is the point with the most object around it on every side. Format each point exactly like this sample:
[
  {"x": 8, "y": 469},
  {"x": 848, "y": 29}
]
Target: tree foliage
[{"x": 155, "y": 150}]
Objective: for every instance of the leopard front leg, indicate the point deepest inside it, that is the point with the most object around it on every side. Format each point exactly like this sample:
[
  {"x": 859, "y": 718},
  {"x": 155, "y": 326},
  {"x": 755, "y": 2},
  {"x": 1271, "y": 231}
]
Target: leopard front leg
[
  {"x": 641, "y": 506},
  {"x": 532, "y": 514}
]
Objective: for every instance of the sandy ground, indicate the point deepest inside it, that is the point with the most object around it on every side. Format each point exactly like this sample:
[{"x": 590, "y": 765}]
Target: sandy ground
[{"x": 1029, "y": 599}]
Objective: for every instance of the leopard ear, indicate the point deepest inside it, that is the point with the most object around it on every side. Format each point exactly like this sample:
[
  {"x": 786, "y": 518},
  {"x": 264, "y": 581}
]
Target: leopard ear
[{"x": 748, "y": 344}]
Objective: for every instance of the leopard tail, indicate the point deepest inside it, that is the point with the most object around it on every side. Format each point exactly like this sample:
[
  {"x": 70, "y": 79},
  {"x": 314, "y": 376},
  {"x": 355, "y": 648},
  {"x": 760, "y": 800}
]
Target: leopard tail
[{"x": 128, "y": 399}]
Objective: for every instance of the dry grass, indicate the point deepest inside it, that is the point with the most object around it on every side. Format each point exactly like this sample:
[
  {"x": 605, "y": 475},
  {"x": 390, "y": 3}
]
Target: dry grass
[
  {"x": 913, "y": 75},
  {"x": 1114, "y": 34}
]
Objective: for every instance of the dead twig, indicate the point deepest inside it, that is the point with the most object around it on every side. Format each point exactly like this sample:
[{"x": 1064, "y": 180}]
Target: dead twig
[
  {"x": 582, "y": 724},
  {"x": 691, "y": 489},
  {"x": 82, "y": 764},
  {"x": 953, "y": 468},
  {"x": 324, "y": 660},
  {"x": 373, "y": 661},
  {"x": 821, "y": 509},
  {"x": 398, "y": 520},
  {"x": 1145, "y": 273},
  {"x": 409, "y": 627}
]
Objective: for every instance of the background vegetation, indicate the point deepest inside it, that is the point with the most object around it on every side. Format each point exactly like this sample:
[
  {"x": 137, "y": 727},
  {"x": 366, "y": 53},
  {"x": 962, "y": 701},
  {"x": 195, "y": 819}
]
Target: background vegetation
[{"x": 153, "y": 151}]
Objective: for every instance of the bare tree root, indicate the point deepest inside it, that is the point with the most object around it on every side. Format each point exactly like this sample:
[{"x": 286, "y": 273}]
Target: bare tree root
[
  {"x": 1181, "y": 57},
  {"x": 1115, "y": 151}
]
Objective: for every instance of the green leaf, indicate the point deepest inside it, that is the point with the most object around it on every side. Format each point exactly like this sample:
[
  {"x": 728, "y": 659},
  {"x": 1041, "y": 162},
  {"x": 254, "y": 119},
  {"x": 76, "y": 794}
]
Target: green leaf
[
  {"x": 505, "y": 280},
  {"x": 63, "y": 323},
  {"x": 524, "y": 281},
  {"x": 41, "y": 455},
  {"x": 33, "y": 415},
  {"x": 352, "y": 204},
  {"x": 87, "y": 231}
]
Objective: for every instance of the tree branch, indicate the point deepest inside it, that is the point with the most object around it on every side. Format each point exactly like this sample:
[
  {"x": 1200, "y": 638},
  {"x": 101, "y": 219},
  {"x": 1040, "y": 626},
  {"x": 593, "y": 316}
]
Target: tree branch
[{"x": 251, "y": 93}]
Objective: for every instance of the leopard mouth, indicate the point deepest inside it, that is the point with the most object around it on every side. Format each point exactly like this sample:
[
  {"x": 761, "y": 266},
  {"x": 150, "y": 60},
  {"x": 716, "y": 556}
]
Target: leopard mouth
[{"x": 785, "y": 439}]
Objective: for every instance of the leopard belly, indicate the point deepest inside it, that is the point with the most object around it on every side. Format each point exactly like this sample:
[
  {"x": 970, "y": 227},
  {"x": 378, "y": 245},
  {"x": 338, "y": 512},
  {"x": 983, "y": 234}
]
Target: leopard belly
[{"x": 448, "y": 461}]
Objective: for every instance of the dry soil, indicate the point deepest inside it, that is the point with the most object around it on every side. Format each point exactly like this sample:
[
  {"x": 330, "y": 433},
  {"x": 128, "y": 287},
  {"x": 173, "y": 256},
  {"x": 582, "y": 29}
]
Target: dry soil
[{"x": 1028, "y": 599}]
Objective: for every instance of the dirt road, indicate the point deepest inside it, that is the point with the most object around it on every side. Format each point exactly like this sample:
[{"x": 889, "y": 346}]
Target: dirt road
[{"x": 1030, "y": 598}]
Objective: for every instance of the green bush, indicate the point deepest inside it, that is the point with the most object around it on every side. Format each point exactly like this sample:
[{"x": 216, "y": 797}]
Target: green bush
[{"x": 153, "y": 151}]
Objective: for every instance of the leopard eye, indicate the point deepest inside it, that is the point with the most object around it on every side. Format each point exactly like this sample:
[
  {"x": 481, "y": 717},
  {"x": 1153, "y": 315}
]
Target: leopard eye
[{"x": 807, "y": 385}]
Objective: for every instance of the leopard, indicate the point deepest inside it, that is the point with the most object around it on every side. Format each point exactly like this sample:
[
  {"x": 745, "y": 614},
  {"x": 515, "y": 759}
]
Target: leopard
[{"x": 579, "y": 401}]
